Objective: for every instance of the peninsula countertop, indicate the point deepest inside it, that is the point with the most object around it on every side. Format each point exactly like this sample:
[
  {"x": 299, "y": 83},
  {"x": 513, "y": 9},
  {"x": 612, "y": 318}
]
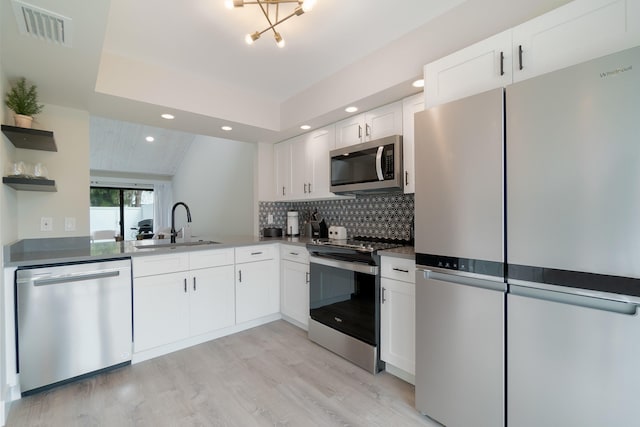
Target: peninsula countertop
[{"x": 32, "y": 252}]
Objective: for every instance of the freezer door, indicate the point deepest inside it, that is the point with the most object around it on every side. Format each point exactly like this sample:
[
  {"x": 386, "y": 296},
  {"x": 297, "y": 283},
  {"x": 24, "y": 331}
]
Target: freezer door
[
  {"x": 572, "y": 360},
  {"x": 459, "y": 178},
  {"x": 573, "y": 180},
  {"x": 460, "y": 349}
]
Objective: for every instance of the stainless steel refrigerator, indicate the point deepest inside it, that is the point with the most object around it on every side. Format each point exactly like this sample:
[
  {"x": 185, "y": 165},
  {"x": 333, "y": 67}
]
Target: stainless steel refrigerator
[
  {"x": 573, "y": 245},
  {"x": 460, "y": 288},
  {"x": 556, "y": 203}
]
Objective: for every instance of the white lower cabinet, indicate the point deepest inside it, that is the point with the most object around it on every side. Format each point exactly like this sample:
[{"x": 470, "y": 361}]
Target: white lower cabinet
[
  {"x": 257, "y": 282},
  {"x": 170, "y": 306},
  {"x": 294, "y": 289},
  {"x": 397, "y": 317},
  {"x": 160, "y": 310}
]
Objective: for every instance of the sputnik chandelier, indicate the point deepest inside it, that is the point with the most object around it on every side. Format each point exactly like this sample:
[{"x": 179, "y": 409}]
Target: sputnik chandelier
[{"x": 271, "y": 10}]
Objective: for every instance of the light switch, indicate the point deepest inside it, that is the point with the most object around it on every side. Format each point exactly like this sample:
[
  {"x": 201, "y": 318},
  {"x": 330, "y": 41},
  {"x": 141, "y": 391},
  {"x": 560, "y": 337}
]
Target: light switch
[
  {"x": 69, "y": 223},
  {"x": 270, "y": 219}
]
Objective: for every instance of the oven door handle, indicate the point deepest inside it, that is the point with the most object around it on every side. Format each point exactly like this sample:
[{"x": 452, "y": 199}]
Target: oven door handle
[{"x": 346, "y": 265}]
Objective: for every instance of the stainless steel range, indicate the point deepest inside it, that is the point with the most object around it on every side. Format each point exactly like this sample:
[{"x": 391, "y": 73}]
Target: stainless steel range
[{"x": 344, "y": 298}]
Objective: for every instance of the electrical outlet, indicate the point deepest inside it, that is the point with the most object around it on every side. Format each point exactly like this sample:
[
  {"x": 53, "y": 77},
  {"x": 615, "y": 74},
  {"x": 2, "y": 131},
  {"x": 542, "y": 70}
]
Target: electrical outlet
[
  {"x": 46, "y": 223},
  {"x": 69, "y": 223},
  {"x": 270, "y": 219}
]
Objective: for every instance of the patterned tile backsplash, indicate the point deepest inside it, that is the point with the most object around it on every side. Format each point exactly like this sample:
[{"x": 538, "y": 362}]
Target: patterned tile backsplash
[{"x": 387, "y": 216}]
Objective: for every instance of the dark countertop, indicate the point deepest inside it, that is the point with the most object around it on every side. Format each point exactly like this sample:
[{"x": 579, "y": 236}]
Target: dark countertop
[
  {"x": 407, "y": 252},
  {"x": 31, "y": 252}
]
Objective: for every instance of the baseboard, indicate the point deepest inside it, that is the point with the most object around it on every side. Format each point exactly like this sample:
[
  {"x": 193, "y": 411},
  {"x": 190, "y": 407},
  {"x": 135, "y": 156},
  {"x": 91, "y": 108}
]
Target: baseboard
[
  {"x": 294, "y": 322},
  {"x": 403, "y": 375},
  {"x": 189, "y": 342}
]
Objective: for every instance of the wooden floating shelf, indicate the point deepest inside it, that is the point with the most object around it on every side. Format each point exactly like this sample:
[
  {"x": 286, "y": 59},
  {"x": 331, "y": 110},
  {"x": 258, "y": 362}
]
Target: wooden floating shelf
[
  {"x": 30, "y": 184},
  {"x": 31, "y": 139}
]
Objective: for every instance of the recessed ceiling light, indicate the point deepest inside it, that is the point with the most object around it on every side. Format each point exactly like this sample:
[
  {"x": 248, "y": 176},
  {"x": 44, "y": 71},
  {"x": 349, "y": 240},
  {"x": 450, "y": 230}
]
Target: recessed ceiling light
[
  {"x": 226, "y": 128},
  {"x": 351, "y": 109},
  {"x": 418, "y": 83},
  {"x": 150, "y": 139},
  {"x": 305, "y": 127},
  {"x": 168, "y": 116}
]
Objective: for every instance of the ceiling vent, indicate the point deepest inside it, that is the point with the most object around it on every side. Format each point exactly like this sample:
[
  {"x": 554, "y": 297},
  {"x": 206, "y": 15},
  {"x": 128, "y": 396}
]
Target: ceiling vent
[{"x": 42, "y": 24}]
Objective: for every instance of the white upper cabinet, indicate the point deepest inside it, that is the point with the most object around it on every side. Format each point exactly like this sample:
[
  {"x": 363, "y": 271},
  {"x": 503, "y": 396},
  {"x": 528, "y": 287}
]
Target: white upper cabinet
[
  {"x": 379, "y": 123},
  {"x": 577, "y": 32},
  {"x": 480, "y": 67},
  {"x": 410, "y": 106},
  {"x": 282, "y": 164},
  {"x": 302, "y": 165}
]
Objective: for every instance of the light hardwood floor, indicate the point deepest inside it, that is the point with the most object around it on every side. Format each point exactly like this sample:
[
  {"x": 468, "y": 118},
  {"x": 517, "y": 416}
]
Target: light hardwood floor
[{"x": 271, "y": 375}]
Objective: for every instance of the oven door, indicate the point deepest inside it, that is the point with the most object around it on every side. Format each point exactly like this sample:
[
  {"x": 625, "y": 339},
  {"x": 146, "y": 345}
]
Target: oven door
[{"x": 343, "y": 296}]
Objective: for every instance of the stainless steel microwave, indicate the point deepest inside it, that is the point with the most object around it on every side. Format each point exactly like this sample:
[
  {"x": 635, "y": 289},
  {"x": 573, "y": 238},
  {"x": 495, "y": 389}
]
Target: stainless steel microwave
[{"x": 370, "y": 167}]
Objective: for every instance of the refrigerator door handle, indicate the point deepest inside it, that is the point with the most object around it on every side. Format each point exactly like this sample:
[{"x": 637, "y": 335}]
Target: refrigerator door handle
[
  {"x": 620, "y": 307},
  {"x": 493, "y": 285}
]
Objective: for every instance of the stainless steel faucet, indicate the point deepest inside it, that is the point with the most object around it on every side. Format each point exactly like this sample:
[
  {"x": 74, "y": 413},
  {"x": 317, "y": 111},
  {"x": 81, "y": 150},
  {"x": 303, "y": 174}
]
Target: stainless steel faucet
[{"x": 173, "y": 219}]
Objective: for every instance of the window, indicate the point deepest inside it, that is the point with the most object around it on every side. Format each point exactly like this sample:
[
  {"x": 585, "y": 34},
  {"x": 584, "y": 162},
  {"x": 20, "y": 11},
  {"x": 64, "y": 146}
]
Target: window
[{"x": 121, "y": 211}]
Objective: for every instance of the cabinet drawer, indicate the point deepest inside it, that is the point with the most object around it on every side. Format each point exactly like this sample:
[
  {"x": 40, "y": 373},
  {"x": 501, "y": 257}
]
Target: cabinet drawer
[
  {"x": 254, "y": 253},
  {"x": 294, "y": 253},
  {"x": 398, "y": 269},
  {"x": 160, "y": 264},
  {"x": 210, "y": 258}
]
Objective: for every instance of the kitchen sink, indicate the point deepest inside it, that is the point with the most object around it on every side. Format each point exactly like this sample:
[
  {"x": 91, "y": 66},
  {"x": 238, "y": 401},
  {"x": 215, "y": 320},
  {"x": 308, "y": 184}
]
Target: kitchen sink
[{"x": 150, "y": 244}]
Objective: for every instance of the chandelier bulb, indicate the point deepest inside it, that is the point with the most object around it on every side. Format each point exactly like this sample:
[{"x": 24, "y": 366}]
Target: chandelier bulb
[
  {"x": 279, "y": 40},
  {"x": 307, "y": 5},
  {"x": 228, "y": 4},
  {"x": 250, "y": 38}
]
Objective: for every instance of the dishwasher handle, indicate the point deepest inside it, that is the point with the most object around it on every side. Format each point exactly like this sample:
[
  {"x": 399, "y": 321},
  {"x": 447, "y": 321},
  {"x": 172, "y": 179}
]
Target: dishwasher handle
[
  {"x": 474, "y": 280},
  {"x": 66, "y": 278}
]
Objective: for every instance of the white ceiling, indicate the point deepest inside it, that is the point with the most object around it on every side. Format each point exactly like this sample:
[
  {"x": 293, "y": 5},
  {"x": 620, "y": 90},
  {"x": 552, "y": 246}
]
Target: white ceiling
[{"x": 132, "y": 60}]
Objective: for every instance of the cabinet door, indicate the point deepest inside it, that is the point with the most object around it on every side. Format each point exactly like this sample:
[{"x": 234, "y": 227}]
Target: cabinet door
[
  {"x": 350, "y": 131},
  {"x": 300, "y": 168},
  {"x": 295, "y": 291},
  {"x": 257, "y": 290},
  {"x": 212, "y": 299},
  {"x": 383, "y": 121},
  {"x": 282, "y": 156},
  {"x": 160, "y": 310},
  {"x": 319, "y": 144},
  {"x": 410, "y": 106},
  {"x": 480, "y": 67},
  {"x": 398, "y": 324},
  {"x": 576, "y": 32}
]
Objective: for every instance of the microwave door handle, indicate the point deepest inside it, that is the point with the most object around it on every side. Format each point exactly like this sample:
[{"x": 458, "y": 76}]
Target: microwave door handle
[{"x": 379, "y": 163}]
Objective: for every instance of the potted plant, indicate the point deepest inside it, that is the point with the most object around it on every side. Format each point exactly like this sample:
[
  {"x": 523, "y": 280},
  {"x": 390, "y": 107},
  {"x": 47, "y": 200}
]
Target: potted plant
[{"x": 23, "y": 101}]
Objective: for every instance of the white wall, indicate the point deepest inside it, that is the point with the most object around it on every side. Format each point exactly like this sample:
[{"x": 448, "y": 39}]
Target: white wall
[
  {"x": 69, "y": 167},
  {"x": 215, "y": 180}
]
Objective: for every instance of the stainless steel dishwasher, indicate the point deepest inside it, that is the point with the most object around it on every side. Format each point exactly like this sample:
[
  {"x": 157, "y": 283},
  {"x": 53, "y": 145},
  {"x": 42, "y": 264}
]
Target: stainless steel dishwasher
[{"x": 72, "y": 320}]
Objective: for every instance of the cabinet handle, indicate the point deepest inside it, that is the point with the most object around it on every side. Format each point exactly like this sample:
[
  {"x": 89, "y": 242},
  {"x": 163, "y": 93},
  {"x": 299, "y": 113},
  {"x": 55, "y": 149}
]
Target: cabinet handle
[
  {"x": 294, "y": 253},
  {"x": 306, "y": 277},
  {"x": 502, "y": 63},
  {"x": 382, "y": 295},
  {"x": 520, "y": 56},
  {"x": 406, "y": 178},
  {"x": 239, "y": 276},
  {"x": 194, "y": 283},
  {"x": 283, "y": 190},
  {"x": 309, "y": 188},
  {"x": 367, "y": 130},
  {"x": 359, "y": 131},
  {"x": 256, "y": 253},
  {"x": 400, "y": 270},
  {"x": 305, "y": 189},
  {"x": 185, "y": 285}
]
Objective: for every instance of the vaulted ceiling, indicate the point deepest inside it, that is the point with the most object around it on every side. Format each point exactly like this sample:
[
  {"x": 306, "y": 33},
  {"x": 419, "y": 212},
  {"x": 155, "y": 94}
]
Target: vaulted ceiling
[{"x": 133, "y": 60}]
